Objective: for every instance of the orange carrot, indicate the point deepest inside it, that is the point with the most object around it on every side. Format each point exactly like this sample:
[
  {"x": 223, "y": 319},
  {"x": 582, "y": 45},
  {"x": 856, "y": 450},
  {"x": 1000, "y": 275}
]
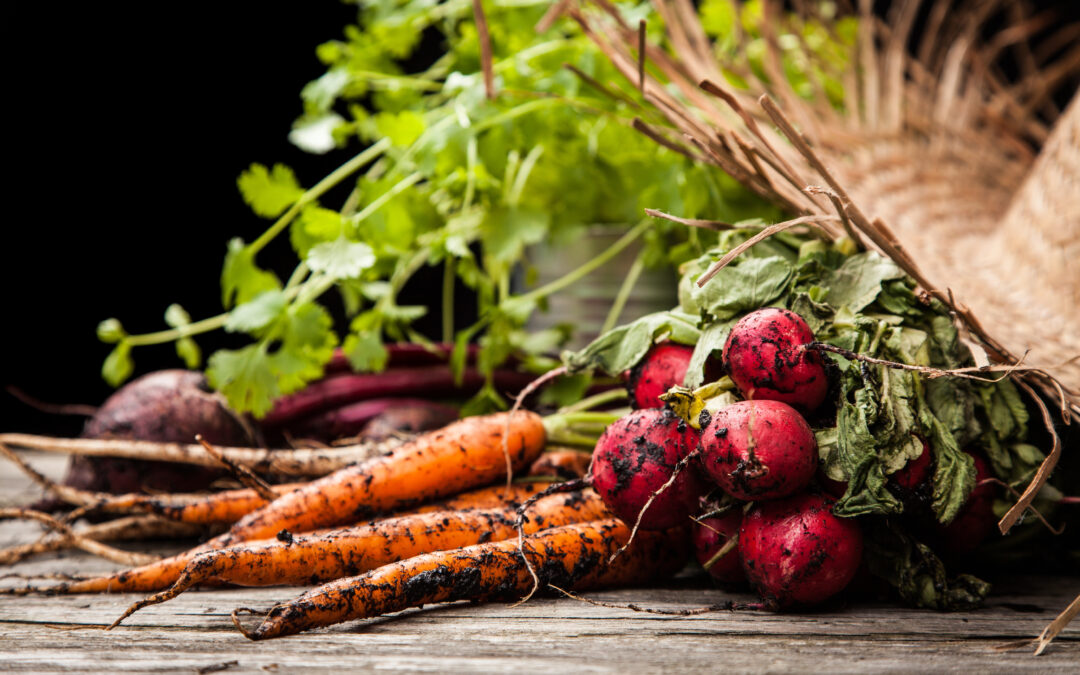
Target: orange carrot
[
  {"x": 350, "y": 551},
  {"x": 465, "y": 454},
  {"x": 569, "y": 557},
  {"x": 161, "y": 574},
  {"x": 564, "y": 464}
]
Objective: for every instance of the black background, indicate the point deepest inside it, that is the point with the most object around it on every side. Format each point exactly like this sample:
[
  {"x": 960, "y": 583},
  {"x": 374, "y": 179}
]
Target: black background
[{"x": 126, "y": 126}]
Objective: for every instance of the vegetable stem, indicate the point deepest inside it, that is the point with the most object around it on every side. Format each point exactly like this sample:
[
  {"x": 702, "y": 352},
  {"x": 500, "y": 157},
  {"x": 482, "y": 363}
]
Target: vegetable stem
[
  {"x": 586, "y": 269},
  {"x": 317, "y": 191},
  {"x": 624, "y": 292},
  {"x": 595, "y": 400},
  {"x": 448, "y": 301}
]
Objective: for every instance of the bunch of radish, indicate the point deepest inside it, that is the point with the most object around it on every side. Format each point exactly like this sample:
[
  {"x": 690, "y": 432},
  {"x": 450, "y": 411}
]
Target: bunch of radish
[{"x": 759, "y": 454}]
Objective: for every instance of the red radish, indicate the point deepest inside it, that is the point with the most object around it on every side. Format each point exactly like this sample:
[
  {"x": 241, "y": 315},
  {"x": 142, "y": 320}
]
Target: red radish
[
  {"x": 916, "y": 472},
  {"x": 766, "y": 354},
  {"x": 976, "y": 519},
  {"x": 759, "y": 450},
  {"x": 662, "y": 368},
  {"x": 633, "y": 459},
  {"x": 711, "y": 536},
  {"x": 795, "y": 551},
  {"x": 834, "y": 488}
]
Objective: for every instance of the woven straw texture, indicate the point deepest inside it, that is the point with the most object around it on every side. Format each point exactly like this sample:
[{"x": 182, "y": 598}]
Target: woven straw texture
[{"x": 969, "y": 179}]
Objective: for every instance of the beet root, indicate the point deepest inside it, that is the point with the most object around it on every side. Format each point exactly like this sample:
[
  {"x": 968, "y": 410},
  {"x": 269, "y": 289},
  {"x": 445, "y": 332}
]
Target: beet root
[
  {"x": 976, "y": 519},
  {"x": 767, "y": 356},
  {"x": 635, "y": 456},
  {"x": 375, "y": 419},
  {"x": 759, "y": 450},
  {"x": 795, "y": 551},
  {"x": 662, "y": 368},
  {"x": 169, "y": 406},
  {"x": 710, "y": 536}
]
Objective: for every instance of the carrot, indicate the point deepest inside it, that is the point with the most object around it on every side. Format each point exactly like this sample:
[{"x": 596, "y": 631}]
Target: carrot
[
  {"x": 564, "y": 464},
  {"x": 467, "y": 453},
  {"x": 568, "y": 557},
  {"x": 351, "y": 551},
  {"x": 161, "y": 574}
]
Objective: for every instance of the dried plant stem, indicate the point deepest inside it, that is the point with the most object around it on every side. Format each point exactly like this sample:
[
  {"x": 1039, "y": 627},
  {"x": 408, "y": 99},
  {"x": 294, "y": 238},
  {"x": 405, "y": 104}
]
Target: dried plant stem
[
  {"x": 79, "y": 541},
  {"x": 242, "y": 473},
  {"x": 519, "y": 524},
  {"x": 764, "y": 234},
  {"x": 485, "y": 48},
  {"x": 286, "y": 462},
  {"x": 122, "y": 529},
  {"x": 728, "y": 606},
  {"x": 659, "y": 491},
  {"x": 1057, "y": 625},
  {"x": 1044, "y": 470}
]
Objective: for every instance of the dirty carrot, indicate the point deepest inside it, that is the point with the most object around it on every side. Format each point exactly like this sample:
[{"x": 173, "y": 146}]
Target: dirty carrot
[
  {"x": 351, "y": 551},
  {"x": 465, "y": 454},
  {"x": 163, "y": 573},
  {"x": 570, "y": 557}
]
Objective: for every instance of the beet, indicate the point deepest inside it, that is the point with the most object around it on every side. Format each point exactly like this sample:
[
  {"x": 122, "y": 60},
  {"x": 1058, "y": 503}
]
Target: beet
[
  {"x": 662, "y": 368},
  {"x": 767, "y": 356},
  {"x": 759, "y": 450},
  {"x": 795, "y": 551},
  {"x": 168, "y": 406},
  {"x": 710, "y": 535},
  {"x": 374, "y": 419},
  {"x": 976, "y": 519},
  {"x": 635, "y": 456}
]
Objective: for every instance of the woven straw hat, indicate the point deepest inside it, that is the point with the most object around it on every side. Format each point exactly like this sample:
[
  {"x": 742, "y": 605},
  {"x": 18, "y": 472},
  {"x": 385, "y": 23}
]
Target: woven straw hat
[{"x": 970, "y": 181}]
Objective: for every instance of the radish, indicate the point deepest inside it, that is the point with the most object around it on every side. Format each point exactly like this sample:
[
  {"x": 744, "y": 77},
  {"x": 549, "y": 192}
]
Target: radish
[
  {"x": 916, "y": 472},
  {"x": 976, "y": 519},
  {"x": 714, "y": 548},
  {"x": 759, "y": 450},
  {"x": 662, "y": 368},
  {"x": 795, "y": 551},
  {"x": 635, "y": 457},
  {"x": 767, "y": 355}
]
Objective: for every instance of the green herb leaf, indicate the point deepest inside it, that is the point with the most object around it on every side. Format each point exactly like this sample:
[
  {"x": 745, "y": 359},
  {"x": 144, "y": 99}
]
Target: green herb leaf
[
  {"x": 745, "y": 285},
  {"x": 111, "y": 331},
  {"x": 267, "y": 192},
  {"x": 858, "y": 281},
  {"x": 118, "y": 365},
  {"x": 256, "y": 313},
  {"x": 366, "y": 352},
  {"x": 188, "y": 351},
  {"x": 341, "y": 258},
  {"x": 241, "y": 279},
  {"x": 621, "y": 348}
]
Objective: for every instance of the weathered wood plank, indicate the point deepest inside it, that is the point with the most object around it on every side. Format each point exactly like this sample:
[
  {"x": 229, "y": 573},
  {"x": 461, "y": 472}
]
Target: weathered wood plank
[{"x": 193, "y": 632}]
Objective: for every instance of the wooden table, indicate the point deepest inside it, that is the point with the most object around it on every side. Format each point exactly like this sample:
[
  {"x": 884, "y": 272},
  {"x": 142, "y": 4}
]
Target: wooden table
[{"x": 193, "y": 633}]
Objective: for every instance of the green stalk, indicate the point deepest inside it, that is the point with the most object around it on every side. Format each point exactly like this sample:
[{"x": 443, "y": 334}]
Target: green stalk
[
  {"x": 320, "y": 188},
  {"x": 448, "y": 301},
  {"x": 624, "y": 292},
  {"x": 378, "y": 202},
  {"x": 595, "y": 400},
  {"x": 586, "y": 269}
]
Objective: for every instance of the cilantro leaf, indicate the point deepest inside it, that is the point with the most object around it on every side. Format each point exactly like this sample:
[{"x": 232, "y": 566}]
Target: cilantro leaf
[
  {"x": 341, "y": 258},
  {"x": 256, "y": 313},
  {"x": 269, "y": 192},
  {"x": 241, "y": 279},
  {"x": 118, "y": 365}
]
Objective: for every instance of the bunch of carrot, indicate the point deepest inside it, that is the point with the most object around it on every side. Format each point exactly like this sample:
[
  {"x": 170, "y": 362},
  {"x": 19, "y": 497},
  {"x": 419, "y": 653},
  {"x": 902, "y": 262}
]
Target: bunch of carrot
[{"x": 426, "y": 551}]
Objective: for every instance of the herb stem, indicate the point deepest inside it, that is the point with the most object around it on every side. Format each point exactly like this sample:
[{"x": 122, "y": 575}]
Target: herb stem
[
  {"x": 322, "y": 187},
  {"x": 595, "y": 400},
  {"x": 378, "y": 202},
  {"x": 203, "y": 326},
  {"x": 588, "y": 268},
  {"x": 624, "y": 292},
  {"x": 448, "y": 300}
]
